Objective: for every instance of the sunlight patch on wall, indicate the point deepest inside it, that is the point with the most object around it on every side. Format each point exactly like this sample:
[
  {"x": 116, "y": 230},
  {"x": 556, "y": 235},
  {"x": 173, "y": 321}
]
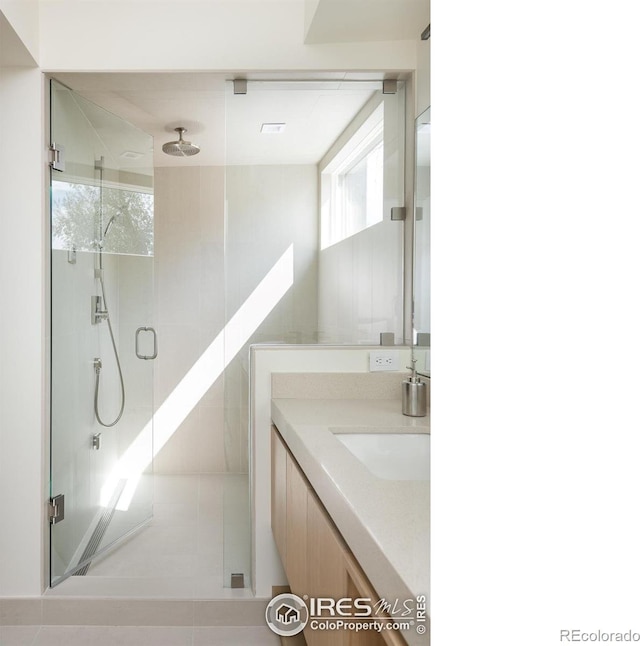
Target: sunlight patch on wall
[{"x": 200, "y": 377}]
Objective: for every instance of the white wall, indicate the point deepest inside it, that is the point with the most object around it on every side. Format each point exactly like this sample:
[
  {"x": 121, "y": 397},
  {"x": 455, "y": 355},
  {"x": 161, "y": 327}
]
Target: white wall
[
  {"x": 423, "y": 76},
  {"x": 22, "y": 332},
  {"x": 24, "y": 17},
  {"x": 199, "y": 35}
]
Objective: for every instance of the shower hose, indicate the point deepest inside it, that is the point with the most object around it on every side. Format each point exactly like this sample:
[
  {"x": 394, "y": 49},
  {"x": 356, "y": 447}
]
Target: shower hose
[{"x": 98, "y": 367}]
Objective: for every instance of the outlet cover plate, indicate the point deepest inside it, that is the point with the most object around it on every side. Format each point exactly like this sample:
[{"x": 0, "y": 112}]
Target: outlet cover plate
[{"x": 383, "y": 360}]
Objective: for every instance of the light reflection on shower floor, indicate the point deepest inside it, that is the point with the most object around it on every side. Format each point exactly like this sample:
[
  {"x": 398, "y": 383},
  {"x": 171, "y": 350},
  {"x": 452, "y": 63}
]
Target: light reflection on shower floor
[{"x": 180, "y": 553}]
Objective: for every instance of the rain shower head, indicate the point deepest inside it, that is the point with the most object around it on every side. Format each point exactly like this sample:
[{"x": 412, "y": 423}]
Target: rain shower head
[{"x": 180, "y": 148}]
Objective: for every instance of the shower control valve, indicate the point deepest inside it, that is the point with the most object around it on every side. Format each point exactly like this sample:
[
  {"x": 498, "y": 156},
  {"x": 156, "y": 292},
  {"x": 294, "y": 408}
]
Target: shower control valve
[{"x": 97, "y": 313}]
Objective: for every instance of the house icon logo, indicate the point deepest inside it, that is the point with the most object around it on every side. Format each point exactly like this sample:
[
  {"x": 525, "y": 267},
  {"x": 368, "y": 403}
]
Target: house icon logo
[{"x": 287, "y": 615}]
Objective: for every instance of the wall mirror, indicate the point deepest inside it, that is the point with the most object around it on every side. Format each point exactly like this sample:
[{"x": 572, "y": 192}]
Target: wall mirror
[{"x": 422, "y": 241}]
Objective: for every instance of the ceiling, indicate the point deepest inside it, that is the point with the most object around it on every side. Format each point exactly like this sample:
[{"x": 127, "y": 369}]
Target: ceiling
[
  {"x": 333, "y": 21},
  {"x": 227, "y": 126}
]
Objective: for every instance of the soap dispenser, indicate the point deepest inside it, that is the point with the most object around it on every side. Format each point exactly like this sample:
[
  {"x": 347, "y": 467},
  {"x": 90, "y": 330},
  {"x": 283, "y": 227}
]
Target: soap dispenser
[{"x": 414, "y": 394}]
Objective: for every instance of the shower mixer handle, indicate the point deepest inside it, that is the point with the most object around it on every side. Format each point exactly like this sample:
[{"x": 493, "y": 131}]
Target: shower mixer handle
[{"x": 97, "y": 313}]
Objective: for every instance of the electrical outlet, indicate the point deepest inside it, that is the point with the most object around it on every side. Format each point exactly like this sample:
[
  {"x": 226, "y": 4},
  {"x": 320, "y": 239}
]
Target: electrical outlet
[{"x": 383, "y": 360}]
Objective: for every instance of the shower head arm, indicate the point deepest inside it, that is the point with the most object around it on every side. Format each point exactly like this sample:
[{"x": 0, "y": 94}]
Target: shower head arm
[{"x": 180, "y": 148}]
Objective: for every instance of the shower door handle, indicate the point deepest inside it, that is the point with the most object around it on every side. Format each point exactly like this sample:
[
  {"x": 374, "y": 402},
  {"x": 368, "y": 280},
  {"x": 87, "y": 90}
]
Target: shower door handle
[{"x": 155, "y": 343}]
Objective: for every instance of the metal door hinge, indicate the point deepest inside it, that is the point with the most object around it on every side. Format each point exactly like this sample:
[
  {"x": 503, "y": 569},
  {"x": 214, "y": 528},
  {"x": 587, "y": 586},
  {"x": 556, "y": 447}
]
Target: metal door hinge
[
  {"x": 239, "y": 86},
  {"x": 398, "y": 213},
  {"x": 237, "y": 580},
  {"x": 56, "y": 156},
  {"x": 56, "y": 509},
  {"x": 389, "y": 86}
]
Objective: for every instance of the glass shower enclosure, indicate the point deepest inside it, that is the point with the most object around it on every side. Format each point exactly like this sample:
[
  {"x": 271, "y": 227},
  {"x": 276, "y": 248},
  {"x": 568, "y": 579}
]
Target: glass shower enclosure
[
  {"x": 102, "y": 337},
  {"x": 312, "y": 254}
]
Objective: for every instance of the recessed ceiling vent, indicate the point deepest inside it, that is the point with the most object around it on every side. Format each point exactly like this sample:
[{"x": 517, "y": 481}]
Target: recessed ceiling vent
[
  {"x": 272, "y": 128},
  {"x": 180, "y": 148}
]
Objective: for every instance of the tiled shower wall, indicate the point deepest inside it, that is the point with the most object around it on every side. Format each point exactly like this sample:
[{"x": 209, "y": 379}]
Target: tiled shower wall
[
  {"x": 207, "y": 262},
  {"x": 360, "y": 286},
  {"x": 189, "y": 307},
  {"x": 269, "y": 209}
]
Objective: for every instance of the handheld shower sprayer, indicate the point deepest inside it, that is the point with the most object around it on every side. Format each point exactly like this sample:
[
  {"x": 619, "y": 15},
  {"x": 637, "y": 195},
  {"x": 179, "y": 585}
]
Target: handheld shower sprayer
[
  {"x": 111, "y": 221},
  {"x": 116, "y": 216},
  {"x": 100, "y": 312}
]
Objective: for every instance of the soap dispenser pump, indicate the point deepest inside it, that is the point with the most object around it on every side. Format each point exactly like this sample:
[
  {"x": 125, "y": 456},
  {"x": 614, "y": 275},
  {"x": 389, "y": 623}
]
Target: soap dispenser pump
[{"x": 414, "y": 394}]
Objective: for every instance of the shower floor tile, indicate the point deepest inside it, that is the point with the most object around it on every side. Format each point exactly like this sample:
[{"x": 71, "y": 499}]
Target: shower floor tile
[{"x": 180, "y": 553}]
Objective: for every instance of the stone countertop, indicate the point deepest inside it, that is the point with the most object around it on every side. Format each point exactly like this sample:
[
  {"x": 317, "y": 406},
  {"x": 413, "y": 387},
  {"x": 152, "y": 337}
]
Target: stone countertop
[{"x": 384, "y": 522}]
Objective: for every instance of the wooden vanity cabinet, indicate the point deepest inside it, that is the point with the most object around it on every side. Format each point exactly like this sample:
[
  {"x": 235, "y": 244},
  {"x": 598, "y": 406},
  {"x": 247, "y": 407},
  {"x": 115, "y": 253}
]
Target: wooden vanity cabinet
[
  {"x": 317, "y": 561},
  {"x": 279, "y": 494},
  {"x": 296, "y": 529}
]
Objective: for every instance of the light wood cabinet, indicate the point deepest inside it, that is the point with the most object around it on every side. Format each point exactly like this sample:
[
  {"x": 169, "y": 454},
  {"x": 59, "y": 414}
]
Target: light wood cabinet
[
  {"x": 279, "y": 494},
  {"x": 326, "y": 571},
  {"x": 295, "y": 563},
  {"x": 316, "y": 559}
]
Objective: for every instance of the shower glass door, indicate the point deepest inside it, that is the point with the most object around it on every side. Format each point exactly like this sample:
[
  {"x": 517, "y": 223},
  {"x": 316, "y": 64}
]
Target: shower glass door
[{"x": 102, "y": 339}]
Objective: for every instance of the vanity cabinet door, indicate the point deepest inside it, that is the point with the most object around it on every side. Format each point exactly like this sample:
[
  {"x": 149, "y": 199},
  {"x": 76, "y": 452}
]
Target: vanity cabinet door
[
  {"x": 279, "y": 494},
  {"x": 327, "y": 573},
  {"x": 296, "y": 529}
]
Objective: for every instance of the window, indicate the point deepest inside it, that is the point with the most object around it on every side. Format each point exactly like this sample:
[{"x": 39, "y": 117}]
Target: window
[
  {"x": 75, "y": 218},
  {"x": 352, "y": 183}
]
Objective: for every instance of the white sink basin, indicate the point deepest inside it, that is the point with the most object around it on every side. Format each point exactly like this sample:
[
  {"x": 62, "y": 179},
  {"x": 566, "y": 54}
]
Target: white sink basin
[{"x": 391, "y": 456}]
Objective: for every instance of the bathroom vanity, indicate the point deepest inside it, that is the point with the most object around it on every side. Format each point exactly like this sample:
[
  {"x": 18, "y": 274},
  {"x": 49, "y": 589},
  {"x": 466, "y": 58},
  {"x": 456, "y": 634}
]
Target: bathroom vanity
[{"x": 344, "y": 527}]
